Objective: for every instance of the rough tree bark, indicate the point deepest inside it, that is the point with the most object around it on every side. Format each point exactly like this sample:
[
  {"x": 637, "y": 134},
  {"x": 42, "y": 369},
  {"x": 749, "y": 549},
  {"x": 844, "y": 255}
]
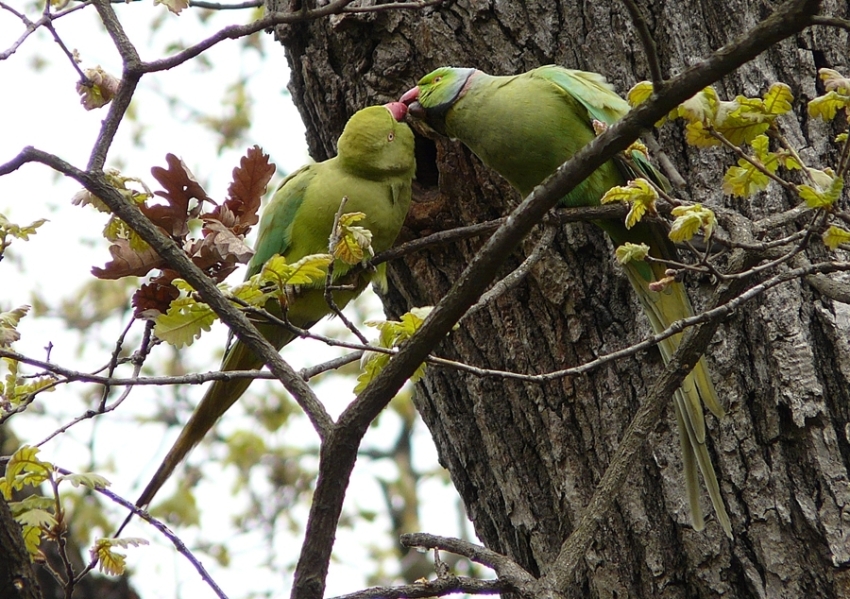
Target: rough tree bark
[{"x": 526, "y": 457}]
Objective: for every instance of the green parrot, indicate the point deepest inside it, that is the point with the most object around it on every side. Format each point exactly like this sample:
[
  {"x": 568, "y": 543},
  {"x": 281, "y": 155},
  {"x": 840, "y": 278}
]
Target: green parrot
[
  {"x": 524, "y": 127},
  {"x": 374, "y": 168}
]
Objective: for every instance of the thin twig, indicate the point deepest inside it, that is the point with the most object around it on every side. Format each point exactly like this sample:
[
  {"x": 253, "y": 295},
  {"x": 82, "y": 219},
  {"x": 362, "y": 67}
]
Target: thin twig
[
  {"x": 32, "y": 26},
  {"x": 392, "y": 6},
  {"x": 831, "y": 22},
  {"x": 447, "y": 585},
  {"x": 649, "y": 48},
  {"x": 517, "y": 275},
  {"x": 164, "y": 530},
  {"x": 329, "y": 298}
]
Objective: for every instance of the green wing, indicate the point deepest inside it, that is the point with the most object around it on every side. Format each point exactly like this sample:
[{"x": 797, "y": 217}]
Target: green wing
[
  {"x": 591, "y": 90},
  {"x": 275, "y": 235}
]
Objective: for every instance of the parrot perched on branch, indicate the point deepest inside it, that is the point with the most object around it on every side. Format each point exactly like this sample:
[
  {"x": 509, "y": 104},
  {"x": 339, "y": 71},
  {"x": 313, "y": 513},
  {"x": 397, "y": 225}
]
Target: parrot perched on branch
[
  {"x": 524, "y": 127},
  {"x": 373, "y": 169}
]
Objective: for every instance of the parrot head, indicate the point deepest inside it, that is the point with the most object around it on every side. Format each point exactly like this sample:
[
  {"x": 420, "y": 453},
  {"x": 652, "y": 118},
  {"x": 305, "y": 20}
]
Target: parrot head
[
  {"x": 376, "y": 142},
  {"x": 436, "y": 93}
]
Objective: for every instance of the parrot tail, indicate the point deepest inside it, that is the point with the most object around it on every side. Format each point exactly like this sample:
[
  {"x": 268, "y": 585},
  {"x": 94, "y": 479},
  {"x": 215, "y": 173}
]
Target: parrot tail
[
  {"x": 663, "y": 308},
  {"x": 217, "y": 400}
]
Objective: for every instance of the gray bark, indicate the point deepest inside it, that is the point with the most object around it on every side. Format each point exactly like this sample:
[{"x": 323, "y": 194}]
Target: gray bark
[{"x": 526, "y": 457}]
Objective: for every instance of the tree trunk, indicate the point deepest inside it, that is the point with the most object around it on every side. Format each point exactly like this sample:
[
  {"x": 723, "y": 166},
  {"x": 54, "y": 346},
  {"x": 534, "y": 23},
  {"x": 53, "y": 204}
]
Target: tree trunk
[{"x": 526, "y": 457}]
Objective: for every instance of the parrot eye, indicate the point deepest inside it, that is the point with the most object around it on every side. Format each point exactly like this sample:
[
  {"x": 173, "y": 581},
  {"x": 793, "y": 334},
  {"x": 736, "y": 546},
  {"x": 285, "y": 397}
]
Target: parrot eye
[
  {"x": 390, "y": 136},
  {"x": 438, "y": 78}
]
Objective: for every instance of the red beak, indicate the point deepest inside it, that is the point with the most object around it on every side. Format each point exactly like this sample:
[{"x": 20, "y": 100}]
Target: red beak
[
  {"x": 410, "y": 96},
  {"x": 397, "y": 109}
]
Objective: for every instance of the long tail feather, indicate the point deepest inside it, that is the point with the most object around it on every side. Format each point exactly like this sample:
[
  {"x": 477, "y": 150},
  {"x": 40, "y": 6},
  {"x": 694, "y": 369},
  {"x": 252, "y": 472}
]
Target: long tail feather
[{"x": 663, "y": 308}]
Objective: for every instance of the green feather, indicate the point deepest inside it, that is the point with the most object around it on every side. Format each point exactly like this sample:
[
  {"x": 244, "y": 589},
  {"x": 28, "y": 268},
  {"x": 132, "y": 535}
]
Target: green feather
[
  {"x": 374, "y": 170},
  {"x": 524, "y": 127}
]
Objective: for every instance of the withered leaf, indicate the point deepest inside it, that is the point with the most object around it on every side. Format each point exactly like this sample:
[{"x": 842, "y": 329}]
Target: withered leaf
[
  {"x": 250, "y": 180},
  {"x": 127, "y": 262},
  {"x": 154, "y": 297},
  {"x": 180, "y": 188}
]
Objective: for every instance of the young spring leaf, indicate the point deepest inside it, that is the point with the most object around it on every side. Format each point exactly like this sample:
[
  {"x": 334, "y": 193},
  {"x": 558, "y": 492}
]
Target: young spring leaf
[
  {"x": 99, "y": 90},
  {"x": 109, "y": 561},
  {"x": 689, "y": 220},
  {"x": 825, "y": 191},
  {"x": 184, "y": 322},
  {"x": 392, "y": 334},
  {"x": 835, "y": 236},
  {"x": 310, "y": 269},
  {"x": 86, "y": 479},
  {"x": 778, "y": 98},
  {"x": 9, "y": 325},
  {"x": 640, "y": 195},
  {"x": 354, "y": 243},
  {"x": 631, "y": 252},
  {"x": 24, "y": 469}
]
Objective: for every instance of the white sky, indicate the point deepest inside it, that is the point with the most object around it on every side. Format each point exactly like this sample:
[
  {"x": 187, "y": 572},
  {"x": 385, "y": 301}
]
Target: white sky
[{"x": 40, "y": 107}]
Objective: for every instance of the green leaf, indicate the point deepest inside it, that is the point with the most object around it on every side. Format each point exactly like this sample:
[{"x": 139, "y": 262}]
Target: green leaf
[
  {"x": 698, "y": 136},
  {"x": 109, "y": 561},
  {"x": 825, "y": 191},
  {"x": 87, "y": 479},
  {"x": 17, "y": 231},
  {"x": 835, "y": 236},
  {"x": 184, "y": 322},
  {"x": 640, "y": 93},
  {"x": 36, "y": 517},
  {"x": 689, "y": 220},
  {"x": 310, "y": 269},
  {"x": 631, "y": 252},
  {"x": 640, "y": 195},
  {"x": 24, "y": 469},
  {"x": 9, "y": 325},
  {"x": 353, "y": 243},
  {"x": 32, "y": 538},
  {"x": 700, "y": 108},
  {"x": 392, "y": 334},
  {"x": 827, "y": 106},
  {"x": 742, "y": 120},
  {"x": 778, "y": 98},
  {"x": 32, "y": 502},
  {"x": 744, "y": 180}
]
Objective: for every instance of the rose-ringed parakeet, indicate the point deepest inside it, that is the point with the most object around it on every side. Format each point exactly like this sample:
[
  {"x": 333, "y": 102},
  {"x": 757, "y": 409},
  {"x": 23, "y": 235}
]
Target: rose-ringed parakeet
[
  {"x": 524, "y": 127},
  {"x": 373, "y": 169}
]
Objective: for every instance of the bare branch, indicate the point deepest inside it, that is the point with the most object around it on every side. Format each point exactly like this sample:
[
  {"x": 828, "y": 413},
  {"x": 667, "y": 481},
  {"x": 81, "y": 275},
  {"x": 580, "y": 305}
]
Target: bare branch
[
  {"x": 446, "y": 585},
  {"x": 164, "y": 530},
  {"x": 392, "y": 6},
  {"x": 508, "y": 570},
  {"x": 649, "y": 48},
  {"x": 831, "y": 22},
  {"x": 32, "y": 26},
  {"x": 516, "y": 277}
]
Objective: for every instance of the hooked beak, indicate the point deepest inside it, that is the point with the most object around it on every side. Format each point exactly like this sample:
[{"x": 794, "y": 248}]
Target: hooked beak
[
  {"x": 397, "y": 109},
  {"x": 411, "y": 99}
]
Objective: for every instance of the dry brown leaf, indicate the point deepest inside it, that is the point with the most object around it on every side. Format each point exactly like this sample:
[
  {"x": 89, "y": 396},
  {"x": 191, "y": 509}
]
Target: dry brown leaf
[
  {"x": 127, "y": 262},
  {"x": 154, "y": 297},
  {"x": 250, "y": 180},
  {"x": 180, "y": 188}
]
